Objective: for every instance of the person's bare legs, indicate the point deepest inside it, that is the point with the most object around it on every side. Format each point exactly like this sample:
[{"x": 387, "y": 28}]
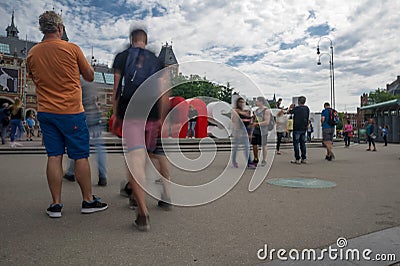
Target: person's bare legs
[
  {"x": 328, "y": 145},
  {"x": 264, "y": 153},
  {"x": 137, "y": 164},
  {"x": 54, "y": 177},
  {"x": 163, "y": 168},
  {"x": 84, "y": 179},
  {"x": 255, "y": 152}
]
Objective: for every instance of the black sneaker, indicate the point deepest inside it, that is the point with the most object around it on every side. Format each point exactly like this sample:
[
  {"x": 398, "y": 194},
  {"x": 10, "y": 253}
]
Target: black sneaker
[
  {"x": 255, "y": 162},
  {"x": 164, "y": 203},
  {"x": 70, "y": 178},
  {"x": 93, "y": 206},
  {"x": 54, "y": 211},
  {"x": 102, "y": 182},
  {"x": 142, "y": 223},
  {"x": 132, "y": 203},
  {"x": 124, "y": 191}
]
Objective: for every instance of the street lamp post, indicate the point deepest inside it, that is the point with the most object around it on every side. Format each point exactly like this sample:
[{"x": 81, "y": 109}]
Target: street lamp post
[
  {"x": 333, "y": 102},
  {"x": 330, "y": 74}
]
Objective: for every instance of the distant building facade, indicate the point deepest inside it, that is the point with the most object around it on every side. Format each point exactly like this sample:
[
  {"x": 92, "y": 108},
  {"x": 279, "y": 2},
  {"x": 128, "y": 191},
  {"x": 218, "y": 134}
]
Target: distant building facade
[
  {"x": 15, "y": 84},
  {"x": 13, "y": 72},
  {"x": 394, "y": 87},
  {"x": 384, "y": 113}
]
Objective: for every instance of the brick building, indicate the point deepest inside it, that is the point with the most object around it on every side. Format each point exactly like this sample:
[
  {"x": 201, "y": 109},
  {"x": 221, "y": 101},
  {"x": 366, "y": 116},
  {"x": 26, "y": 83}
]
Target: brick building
[{"x": 13, "y": 73}]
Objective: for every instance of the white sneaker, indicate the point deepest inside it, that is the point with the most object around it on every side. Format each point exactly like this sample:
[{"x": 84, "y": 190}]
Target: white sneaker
[{"x": 15, "y": 144}]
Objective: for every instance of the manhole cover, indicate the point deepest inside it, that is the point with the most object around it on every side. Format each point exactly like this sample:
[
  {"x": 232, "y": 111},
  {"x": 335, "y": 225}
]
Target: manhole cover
[{"x": 301, "y": 182}]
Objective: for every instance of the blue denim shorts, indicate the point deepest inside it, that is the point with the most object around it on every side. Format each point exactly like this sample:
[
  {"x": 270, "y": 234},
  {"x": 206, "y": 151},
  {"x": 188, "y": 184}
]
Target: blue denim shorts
[{"x": 65, "y": 131}]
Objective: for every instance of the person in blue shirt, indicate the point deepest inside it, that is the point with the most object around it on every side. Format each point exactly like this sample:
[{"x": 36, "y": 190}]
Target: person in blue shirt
[
  {"x": 31, "y": 125},
  {"x": 385, "y": 133},
  {"x": 327, "y": 132},
  {"x": 371, "y": 134}
]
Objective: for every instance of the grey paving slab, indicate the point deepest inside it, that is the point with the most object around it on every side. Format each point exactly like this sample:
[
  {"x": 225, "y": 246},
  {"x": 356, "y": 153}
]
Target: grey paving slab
[{"x": 228, "y": 231}]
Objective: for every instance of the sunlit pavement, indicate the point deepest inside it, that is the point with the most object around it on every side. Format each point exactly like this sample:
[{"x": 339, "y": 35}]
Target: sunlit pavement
[{"x": 228, "y": 231}]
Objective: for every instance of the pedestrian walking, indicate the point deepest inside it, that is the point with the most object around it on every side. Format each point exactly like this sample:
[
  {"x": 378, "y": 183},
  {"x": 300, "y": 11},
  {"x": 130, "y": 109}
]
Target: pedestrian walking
[
  {"x": 16, "y": 123},
  {"x": 262, "y": 117},
  {"x": 30, "y": 122},
  {"x": 241, "y": 120},
  {"x": 371, "y": 134},
  {"x": 328, "y": 122},
  {"x": 95, "y": 126},
  {"x": 135, "y": 65},
  {"x": 301, "y": 114},
  {"x": 385, "y": 133},
  {"x": 310, "y": 130},
  {"x": 281, "y": 128},
  {"x": 348, "y": 133}
]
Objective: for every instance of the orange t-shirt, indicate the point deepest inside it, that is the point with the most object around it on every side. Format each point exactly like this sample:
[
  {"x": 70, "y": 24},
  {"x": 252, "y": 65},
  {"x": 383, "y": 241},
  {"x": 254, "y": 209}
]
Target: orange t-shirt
[{"x": 55, "y": 67}]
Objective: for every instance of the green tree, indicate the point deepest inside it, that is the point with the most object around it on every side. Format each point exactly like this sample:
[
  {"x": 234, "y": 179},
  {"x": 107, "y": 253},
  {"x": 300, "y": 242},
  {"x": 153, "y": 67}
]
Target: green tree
[
  {"x": 340, "y": 124},
  {"x": 381, "y": 95},
  {"x": 196, "y": 86},
  {"x": 108, "y": 115}
]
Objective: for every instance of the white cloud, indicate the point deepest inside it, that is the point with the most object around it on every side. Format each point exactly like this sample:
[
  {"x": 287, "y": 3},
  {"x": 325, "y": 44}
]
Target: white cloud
[{"x": 364, "y": 35}]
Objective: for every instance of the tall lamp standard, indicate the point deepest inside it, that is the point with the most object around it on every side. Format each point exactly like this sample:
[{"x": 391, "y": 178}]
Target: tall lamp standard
[
  {"x": 330, "y": 73},
  {"x": 332, "y": 67}
]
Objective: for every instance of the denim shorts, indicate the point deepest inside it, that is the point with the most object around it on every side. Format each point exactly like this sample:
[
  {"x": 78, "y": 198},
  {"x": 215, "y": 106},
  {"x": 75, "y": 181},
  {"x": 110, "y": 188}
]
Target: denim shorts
[{"x": 65, "y": 131}]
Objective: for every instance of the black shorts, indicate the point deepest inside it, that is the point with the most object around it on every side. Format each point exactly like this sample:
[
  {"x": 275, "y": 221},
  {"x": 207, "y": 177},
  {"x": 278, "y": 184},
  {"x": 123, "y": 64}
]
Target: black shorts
[
  {"x": 258, "y": 139},
  {"x": 327, "y": 134}
]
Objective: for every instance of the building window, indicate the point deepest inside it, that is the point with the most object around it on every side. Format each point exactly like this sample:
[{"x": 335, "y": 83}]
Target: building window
[
  {"x": 4, "y": 48},
  {"x": 109, "y": 78},
  {"x": 98, "y": 77}
]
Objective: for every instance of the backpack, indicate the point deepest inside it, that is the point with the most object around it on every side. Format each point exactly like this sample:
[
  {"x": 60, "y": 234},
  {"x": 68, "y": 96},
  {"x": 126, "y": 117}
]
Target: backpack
[
  {"x": 333, "y": 118},
  {"x": 271, "y": 124},
  {"x": 140, "y": 65}
]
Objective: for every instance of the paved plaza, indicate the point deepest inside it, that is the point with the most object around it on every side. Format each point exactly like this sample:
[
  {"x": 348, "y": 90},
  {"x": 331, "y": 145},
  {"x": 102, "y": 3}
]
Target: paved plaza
[{"x": 228, "y": 231}]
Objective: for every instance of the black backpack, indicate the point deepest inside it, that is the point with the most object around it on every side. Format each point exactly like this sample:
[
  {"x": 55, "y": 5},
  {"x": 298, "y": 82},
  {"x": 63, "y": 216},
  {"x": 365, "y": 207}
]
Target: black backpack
[
  {"x": 333, "y": 118},
  {"x": 140, "y": 65}
]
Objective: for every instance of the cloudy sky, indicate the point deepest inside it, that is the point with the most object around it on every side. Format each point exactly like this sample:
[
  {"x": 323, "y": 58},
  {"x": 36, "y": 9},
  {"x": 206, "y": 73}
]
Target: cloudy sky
[{"x": 272, "y": 42}]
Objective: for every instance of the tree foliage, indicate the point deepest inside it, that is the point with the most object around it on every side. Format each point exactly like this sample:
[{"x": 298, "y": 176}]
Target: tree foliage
[
  {"x": 196, "y": 86},
  {"x": 341, "y": 122},
  {"x": 381, "y": 95}
]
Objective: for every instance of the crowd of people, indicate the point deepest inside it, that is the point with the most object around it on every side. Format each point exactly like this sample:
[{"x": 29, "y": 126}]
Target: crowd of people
[
  {"x": 69, "y": 119},
  {"x": 294, "y": 123},
  {"x": 14, "y": 126}
]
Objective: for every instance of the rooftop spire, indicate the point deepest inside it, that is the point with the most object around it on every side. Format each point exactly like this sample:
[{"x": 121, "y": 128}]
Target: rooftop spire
[
  {"x": 12, "y": 30},
  {"x": 64, "y": 35},
  {"x": 167, "y": 56}
]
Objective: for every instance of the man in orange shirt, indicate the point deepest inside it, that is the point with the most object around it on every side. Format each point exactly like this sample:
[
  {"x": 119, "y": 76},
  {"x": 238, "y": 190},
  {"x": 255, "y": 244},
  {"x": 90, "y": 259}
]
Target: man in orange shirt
[{"x": 55, "y": 67}]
